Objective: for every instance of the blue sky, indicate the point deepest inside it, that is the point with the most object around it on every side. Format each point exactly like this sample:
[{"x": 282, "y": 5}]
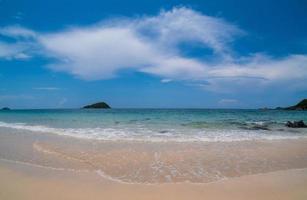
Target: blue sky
[{"x": 166, "y": 54}]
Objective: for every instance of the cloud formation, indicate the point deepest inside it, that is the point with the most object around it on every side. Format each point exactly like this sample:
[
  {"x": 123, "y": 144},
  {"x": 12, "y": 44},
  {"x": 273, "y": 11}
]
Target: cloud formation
[
  {"x": 17, "y": 32},
  {"x": 152, "y": 44},
  {"x": 147, "y": 44},
  {"x": 10, "y": 51}
]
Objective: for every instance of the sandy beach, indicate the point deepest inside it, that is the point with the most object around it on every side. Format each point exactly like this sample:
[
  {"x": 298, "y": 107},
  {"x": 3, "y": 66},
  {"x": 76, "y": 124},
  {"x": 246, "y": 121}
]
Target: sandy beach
[
  {"x": 28, "y": 183},
  {"x": 47, "y": 166}
]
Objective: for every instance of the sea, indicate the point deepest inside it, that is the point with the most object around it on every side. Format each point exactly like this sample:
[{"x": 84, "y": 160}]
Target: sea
[{"x": 157, "y": 125}]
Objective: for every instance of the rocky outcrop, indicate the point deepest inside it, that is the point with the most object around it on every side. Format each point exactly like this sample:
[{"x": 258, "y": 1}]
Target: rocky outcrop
[
  {"x": 302, "y": 105},
  {"x": 99, "y": 105},
  {"x": 296, "y": 124}
]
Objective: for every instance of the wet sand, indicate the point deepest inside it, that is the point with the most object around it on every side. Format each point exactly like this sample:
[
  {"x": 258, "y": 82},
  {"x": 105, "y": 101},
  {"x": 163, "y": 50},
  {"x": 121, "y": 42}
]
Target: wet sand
[
  {"x": 46, "y": 166},
  {"x": 28, "y": 183}
]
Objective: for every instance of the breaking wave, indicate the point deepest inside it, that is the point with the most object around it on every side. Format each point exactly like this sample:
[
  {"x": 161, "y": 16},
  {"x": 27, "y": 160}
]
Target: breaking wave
[{"x": 252, "y": 132}]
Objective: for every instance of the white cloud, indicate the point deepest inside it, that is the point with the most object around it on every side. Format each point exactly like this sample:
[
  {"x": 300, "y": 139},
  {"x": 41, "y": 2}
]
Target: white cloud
[
  {"x": 13, "y": 51},
  {"x": 178, "y": 25},
  {"x": 260, "y": 66},
  {"x": 147, "y": 44},
  {"x": 97, "y": 53},
  {"x": 22, "y": 48},
  {"x": 166, "y": 80},
  {"x": 151, "y": 44},
  {"x": 258, "y": 72},
  {"x": 17, "y": 32}
]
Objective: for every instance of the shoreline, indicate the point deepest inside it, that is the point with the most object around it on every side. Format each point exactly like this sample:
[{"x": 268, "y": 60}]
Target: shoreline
[
  {"x": 28, "y": 182},
  {"x": 4, "y": 163},
  {"x": 139, "y": 162},
  {"x": 61, "y": 132},
  {"x": 48, "y": 166}
]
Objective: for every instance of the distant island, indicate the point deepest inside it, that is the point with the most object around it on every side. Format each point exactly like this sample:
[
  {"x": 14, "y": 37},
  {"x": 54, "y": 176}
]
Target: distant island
[
  {"x": 5, "y": 108},
  {"x": 99, "y": 105},
  {"x": 302, "y": 105}
]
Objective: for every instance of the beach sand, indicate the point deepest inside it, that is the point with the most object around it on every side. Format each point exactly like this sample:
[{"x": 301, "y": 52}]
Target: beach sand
[
  {"x": 30, "y": 183},
  {"x": 46, "y": 166}
]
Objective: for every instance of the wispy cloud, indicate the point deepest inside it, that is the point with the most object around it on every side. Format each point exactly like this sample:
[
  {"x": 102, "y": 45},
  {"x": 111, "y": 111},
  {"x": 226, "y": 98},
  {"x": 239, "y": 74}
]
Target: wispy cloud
[
  {"x": 18, "y": 16},
  {"x": 147, "y": 44},
  {"x": 17, "y": 32},
  {"x": 166, "y": 80},
  {"x": 16, "y": 51},
  {"x": 46, "y": 88},
  {"x": 22, "y": 48},
  {"x": 62, "y": 101},
  {"x": 151, "y": 44},
  {"x": 228, "y": 101}
]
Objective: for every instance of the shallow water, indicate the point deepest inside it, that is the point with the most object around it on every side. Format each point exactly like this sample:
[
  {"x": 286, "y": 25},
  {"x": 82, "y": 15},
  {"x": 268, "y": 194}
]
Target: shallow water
[{"x": 158, "y": 124}]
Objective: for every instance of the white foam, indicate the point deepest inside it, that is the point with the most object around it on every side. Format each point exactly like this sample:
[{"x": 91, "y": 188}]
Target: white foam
[{"x": 142, "y": 134}]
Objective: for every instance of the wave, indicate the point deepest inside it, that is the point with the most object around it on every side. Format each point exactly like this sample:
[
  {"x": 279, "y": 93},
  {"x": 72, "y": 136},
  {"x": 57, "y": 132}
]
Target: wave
[{"x": 256, "y": 132}]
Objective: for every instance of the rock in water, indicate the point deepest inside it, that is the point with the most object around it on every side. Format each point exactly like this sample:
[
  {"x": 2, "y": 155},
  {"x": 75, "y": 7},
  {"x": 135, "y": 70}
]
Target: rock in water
[
  {"x": 5, "y": 108},
  {"x": 99, "y": 105},
  {"x": 296, "y": 124}
]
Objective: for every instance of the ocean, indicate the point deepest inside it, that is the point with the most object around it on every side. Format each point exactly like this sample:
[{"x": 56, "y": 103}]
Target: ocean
[{"x": 157, "y": 125}]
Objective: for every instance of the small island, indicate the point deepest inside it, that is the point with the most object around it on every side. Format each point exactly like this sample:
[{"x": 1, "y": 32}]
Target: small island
[
  {"x": 5, "y": 108},
  {"x": 99, "y": 105}
]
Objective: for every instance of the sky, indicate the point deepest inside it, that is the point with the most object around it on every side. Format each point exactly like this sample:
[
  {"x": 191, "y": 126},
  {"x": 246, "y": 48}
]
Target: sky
[{"x": 153, "y": 54}]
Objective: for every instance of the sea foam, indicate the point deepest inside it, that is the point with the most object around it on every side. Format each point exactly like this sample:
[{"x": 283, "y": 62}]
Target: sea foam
[{"x": 147, "y": 135}]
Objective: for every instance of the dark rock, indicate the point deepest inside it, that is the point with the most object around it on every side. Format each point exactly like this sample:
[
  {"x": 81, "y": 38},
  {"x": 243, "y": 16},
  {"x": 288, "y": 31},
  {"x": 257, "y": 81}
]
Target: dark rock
[
  {"x": 296, "y": 124},
  {"x": 259, "y": 127},
  {"x": 163, "y": 131},
  {"x": 99, "y": 105},
  {"x": 5, "y": 108},
  {"x": 255, "y": 128}
]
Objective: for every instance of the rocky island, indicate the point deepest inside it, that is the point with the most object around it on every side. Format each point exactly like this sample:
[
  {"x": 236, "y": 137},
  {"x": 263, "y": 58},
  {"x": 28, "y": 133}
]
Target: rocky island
[
  {"x": 302, "y": 105},
  {"x": 99, "y": 105},
  {"x": 5, "y": 108}
]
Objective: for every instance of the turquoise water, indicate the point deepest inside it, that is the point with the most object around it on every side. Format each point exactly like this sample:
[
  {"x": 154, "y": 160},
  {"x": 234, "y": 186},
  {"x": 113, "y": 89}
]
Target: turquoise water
[{"x": 157, "y": 124}]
